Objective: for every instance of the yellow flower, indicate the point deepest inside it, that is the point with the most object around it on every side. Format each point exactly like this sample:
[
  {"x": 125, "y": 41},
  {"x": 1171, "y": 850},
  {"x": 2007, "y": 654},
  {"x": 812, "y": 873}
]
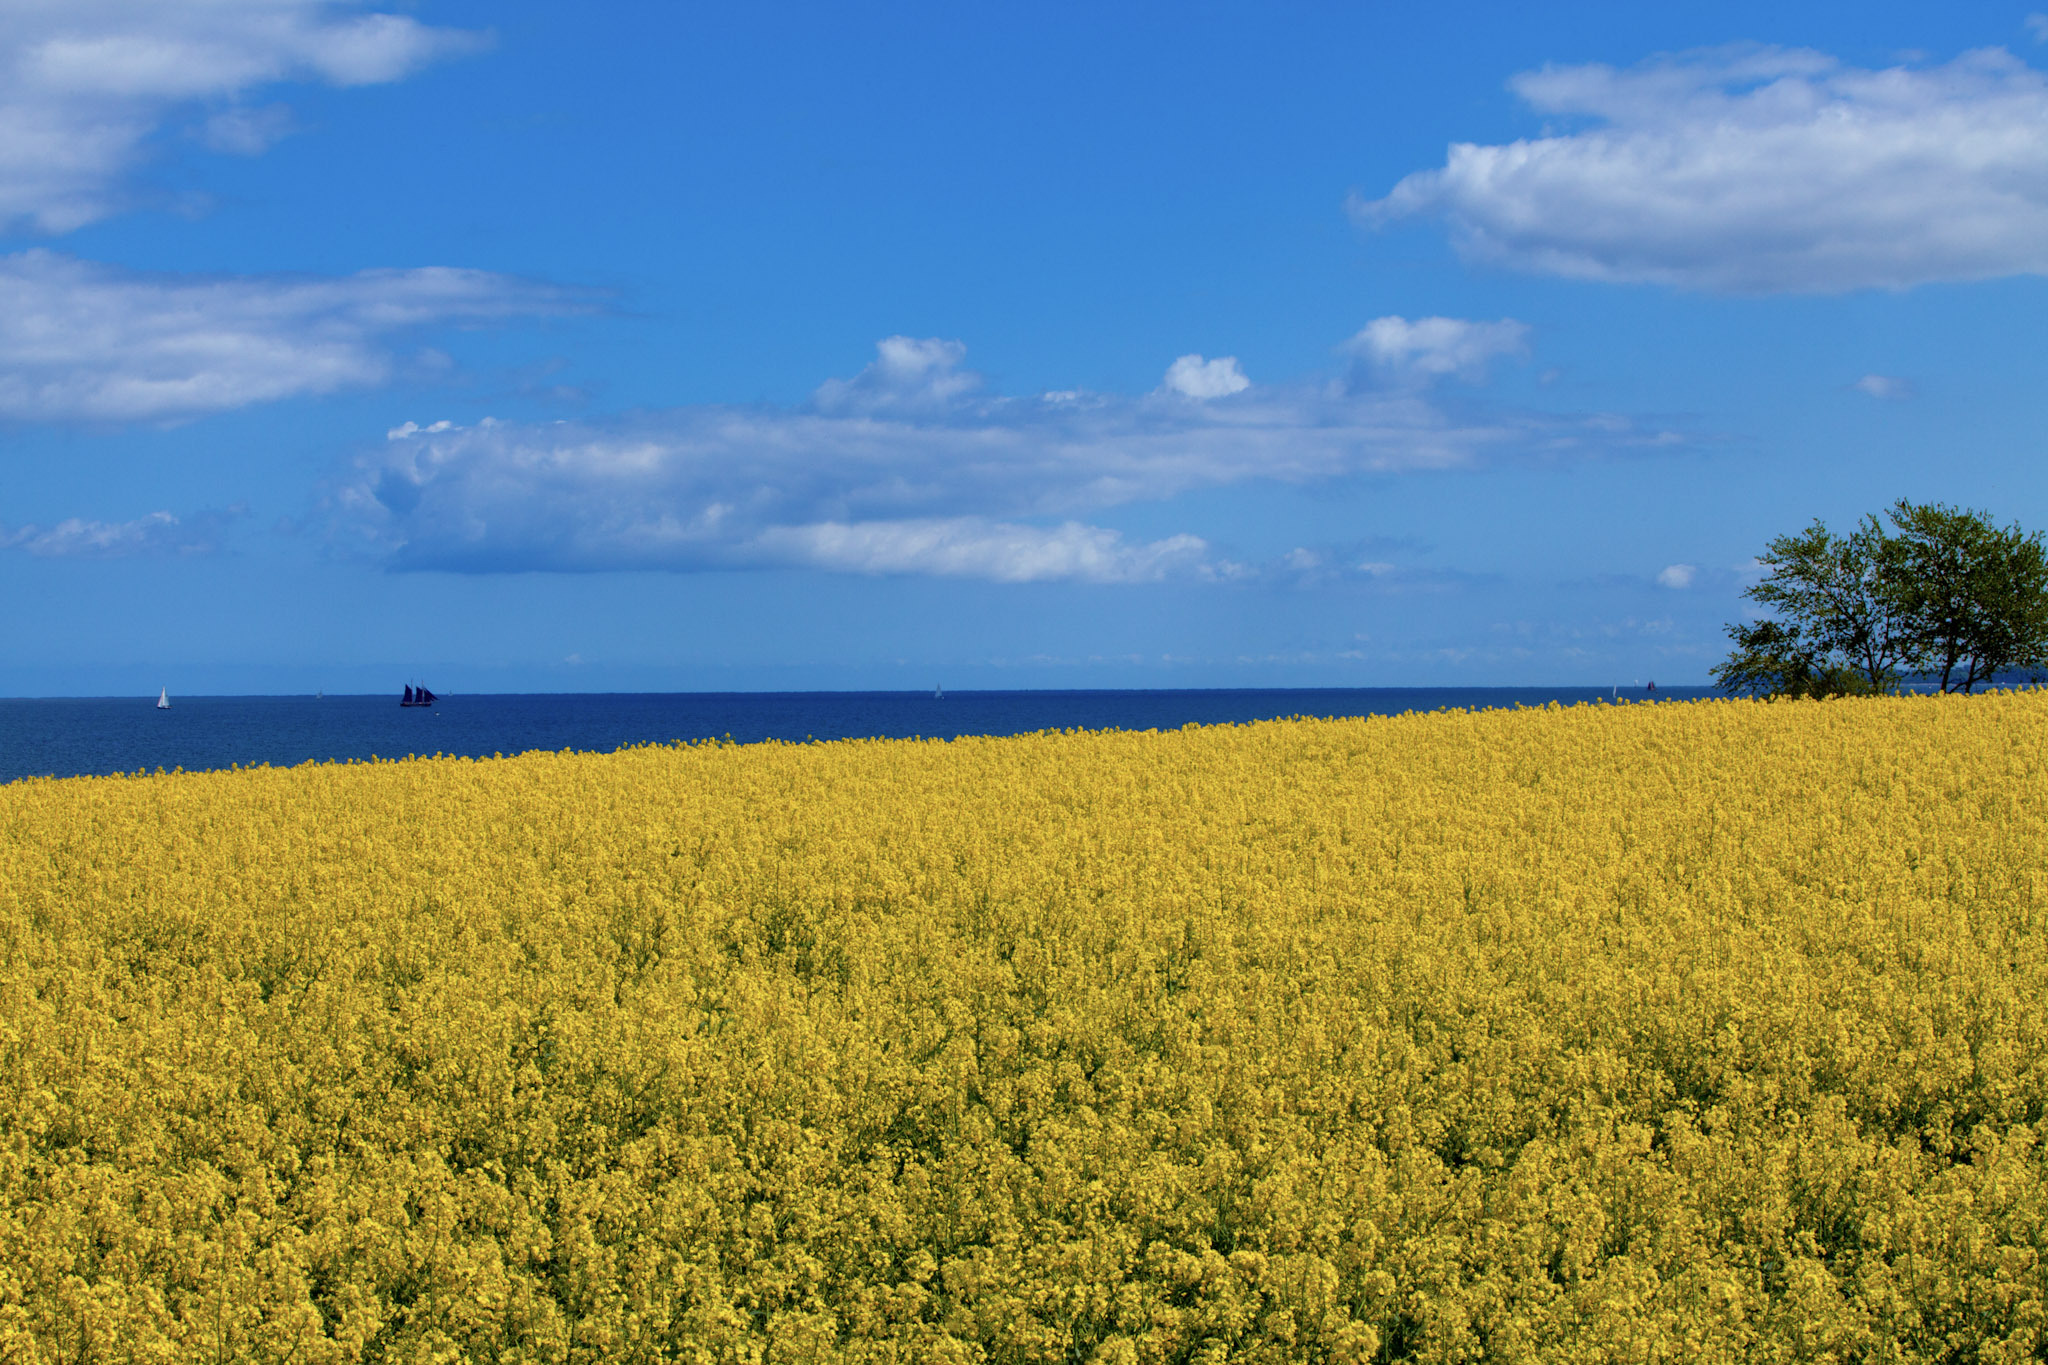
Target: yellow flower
[{"x": 1690, "y": 1032}]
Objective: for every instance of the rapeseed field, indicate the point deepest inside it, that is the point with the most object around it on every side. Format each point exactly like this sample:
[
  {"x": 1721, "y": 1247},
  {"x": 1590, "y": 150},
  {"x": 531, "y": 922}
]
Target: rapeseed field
[{"x": 1701, "y": 1032}]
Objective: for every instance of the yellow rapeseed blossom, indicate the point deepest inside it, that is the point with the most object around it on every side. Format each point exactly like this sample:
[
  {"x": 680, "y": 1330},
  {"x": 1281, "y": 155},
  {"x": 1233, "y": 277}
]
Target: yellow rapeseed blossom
[{"x": 1702, "y": 1032}]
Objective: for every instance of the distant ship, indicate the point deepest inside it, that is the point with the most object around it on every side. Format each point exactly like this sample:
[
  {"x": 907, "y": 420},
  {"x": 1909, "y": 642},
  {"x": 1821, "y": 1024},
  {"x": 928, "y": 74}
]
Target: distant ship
[
  {"x": 163, "y": 699},
  {"x": 938, "y": 694},
  {"x": 418, "y": 696}
]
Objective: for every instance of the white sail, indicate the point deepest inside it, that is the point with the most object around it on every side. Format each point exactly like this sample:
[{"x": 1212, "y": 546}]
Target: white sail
[{"x": 163, "y": 699}]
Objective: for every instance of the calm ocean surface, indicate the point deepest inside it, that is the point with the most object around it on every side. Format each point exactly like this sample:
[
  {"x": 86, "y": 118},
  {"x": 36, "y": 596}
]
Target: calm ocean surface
[{"x": 66, "y": 737}]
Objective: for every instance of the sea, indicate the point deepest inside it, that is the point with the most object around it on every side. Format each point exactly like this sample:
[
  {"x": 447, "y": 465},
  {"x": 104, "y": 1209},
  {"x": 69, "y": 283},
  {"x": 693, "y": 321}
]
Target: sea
[{"x": 84, "y": 736}]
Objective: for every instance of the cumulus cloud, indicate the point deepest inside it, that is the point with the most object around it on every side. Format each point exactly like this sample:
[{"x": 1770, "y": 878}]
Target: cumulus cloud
[
  {"x": 1193, "y": 377},
  {"x": 1759, "y": 170},
  {"x": 85, "y": 83},
  {"x": 1430, "y": 348},
  {"x": 1677, "y": 575},
  {"x": 908, "y": 374},
  {"x": 80, "y": 341},
  {"x": 1885, "y": 386},
  {"x": 2037, "y": 24},
  {"x": 157, "y": 534},
  {"x": 910, "y": 467}
]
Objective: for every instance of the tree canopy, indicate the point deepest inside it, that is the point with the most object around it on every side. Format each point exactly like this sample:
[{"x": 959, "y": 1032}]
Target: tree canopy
[{"x": 1940, "y": 593}]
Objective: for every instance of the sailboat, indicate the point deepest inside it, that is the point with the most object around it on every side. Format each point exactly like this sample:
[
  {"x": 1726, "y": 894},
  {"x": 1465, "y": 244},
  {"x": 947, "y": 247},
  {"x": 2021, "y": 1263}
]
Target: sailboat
[
  {"x": 163, "y": 699},
  {"x": 418, "y": 696},
  {"x": 938, "y": 694}
]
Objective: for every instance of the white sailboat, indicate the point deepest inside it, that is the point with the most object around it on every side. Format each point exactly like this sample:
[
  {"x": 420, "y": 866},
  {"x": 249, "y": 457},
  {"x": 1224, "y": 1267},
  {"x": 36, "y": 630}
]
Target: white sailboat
[
  {"x": 163, "y": 699},
  {"x": 938, "y": 694}
]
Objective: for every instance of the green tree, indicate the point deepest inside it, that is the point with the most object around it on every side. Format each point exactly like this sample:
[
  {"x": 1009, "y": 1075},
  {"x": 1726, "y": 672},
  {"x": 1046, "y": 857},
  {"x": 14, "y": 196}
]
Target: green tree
[
  {"x": 1945, "y": 593},
  {"x": 1773, "y": 659},
  {"x": 1978, "y": 593},
  {"x": 1842, "y": 625}
]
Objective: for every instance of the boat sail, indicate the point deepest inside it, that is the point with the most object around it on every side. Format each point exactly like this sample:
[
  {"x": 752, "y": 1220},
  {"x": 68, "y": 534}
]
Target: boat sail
[
  {"x": 163, "y": 699},
  {"x": 418, "y": 696}
]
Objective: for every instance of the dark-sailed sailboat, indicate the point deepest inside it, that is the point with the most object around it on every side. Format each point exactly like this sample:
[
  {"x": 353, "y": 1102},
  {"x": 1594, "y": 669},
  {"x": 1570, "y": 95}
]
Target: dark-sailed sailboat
[{"x": 418, "y": 696}]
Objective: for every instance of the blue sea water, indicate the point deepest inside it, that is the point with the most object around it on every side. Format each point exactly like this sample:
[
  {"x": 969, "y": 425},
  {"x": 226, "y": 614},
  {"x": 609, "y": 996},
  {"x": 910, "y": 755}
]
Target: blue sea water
[{"x": 66, "y": 737}]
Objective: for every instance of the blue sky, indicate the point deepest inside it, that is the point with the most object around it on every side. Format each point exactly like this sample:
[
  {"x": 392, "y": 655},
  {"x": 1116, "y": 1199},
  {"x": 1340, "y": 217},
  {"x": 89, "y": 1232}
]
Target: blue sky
[{"x": 538, "y": 347}]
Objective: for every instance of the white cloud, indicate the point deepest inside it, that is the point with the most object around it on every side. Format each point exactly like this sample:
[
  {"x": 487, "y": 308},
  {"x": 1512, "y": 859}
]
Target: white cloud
[
  {"x": 1885, "y": 386},
  {"x": 1759, "y": 170},
  {"x": 1336, "y": 564},
  {"x": 1677, "y": 576},
  {"x": 970, "y": 547},
  {"x": 1193, "y": 377},
  {"x": 868, "y": 480},
  {"x": 907, "y": 374},
  {"x": 84, "y": 84},
  {"x": 1430, "y": 348},
  {"x": 246, "y": 132},
  {"x": 159, "y": 533},
  {"x": 2037, "y": 24},
  {"x": 80, "y": 341}
]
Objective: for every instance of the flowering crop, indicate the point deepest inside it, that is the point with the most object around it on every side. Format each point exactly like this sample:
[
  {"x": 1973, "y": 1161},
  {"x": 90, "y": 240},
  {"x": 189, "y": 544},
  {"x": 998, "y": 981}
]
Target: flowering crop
[{"x": 1690, "y": 1032}]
